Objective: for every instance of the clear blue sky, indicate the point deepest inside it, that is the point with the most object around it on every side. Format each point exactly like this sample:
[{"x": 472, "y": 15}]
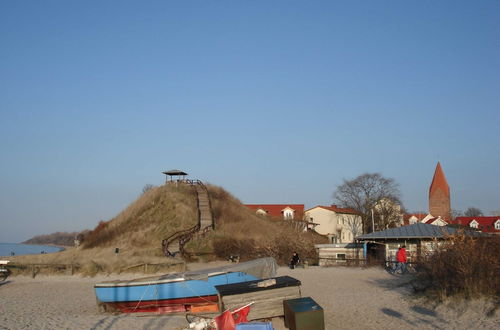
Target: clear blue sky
[{"x": 276, "y": 101}]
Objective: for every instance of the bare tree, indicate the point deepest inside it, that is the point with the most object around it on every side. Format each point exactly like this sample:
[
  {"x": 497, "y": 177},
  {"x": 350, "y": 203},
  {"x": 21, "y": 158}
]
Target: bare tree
[
  {"x": 147, "y": 187},
  {"x": 456, "y": 213},
  {"x": 495, "y": 213},
  {"x": 388, "y": 214},
  {"x": 353, "y": 224},
  {"x": 364, "y": 192},
  {"x": 473, "y": 212}
]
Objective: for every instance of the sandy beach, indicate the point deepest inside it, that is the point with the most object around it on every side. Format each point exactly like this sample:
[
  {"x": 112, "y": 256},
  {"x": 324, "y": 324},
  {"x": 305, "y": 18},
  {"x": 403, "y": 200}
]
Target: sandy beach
[{"x": 352, "y": 298}]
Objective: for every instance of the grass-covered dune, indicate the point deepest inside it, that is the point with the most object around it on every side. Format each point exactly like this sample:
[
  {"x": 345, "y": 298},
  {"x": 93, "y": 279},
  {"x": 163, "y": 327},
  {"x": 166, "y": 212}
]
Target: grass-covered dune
[{"x": 161, "y": 211}]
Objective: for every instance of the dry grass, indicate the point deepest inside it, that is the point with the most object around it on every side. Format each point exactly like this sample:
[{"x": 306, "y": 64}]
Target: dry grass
[
  {"x": 158, "y": 213},
  {"x": 463, "y": 267},
  {"x": 240, "y": 231},
  {"x": 161, "y": 211},
  {"x": 90, "y": 262}
]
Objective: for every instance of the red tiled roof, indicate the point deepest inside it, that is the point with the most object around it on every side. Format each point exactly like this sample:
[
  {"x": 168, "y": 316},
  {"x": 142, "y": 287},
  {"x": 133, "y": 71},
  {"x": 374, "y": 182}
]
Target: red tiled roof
[
  {"x": 336, "y": 209},
  {"x": 485, "y": 224},
  {"x": 276, "y": 210},
  {"x": 439, "y": 182}
]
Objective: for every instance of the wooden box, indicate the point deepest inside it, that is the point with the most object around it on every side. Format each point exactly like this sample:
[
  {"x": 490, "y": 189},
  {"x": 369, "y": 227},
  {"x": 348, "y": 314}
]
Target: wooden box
[{"x": 267, "y": 296}]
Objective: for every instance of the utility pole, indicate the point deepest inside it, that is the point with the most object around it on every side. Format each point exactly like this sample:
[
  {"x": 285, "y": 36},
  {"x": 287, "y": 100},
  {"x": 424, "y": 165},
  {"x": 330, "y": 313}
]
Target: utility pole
[{"x": 373, "y": 223}]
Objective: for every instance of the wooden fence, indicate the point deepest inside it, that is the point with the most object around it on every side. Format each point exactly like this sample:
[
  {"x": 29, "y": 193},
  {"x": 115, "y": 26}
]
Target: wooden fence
[
  {"x": 34, "y": 269},
  {"x": 155, "y": 267},
  {"x": 70, "y": 269}
]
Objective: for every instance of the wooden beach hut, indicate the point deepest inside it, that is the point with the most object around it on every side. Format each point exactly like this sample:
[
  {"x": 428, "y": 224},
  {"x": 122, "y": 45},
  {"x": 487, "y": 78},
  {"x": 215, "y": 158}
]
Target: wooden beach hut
[{"x": 418, "y": 238}]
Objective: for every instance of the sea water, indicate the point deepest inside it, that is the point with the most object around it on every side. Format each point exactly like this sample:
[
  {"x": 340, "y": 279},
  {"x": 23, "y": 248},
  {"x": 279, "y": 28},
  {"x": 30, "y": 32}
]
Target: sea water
[{"x": 9, "y": 249}]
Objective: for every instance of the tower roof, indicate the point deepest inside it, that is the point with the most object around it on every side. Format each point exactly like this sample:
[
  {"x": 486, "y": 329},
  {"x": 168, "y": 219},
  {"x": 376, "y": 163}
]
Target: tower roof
[{"x": 439, "y": 182}]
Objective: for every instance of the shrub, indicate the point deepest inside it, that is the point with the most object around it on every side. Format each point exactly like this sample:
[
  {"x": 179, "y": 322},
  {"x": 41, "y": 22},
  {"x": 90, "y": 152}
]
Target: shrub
[{"x": 462, "y": 266}]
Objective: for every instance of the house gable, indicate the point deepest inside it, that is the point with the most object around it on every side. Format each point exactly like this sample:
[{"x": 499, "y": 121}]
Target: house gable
[
  {"x": 484, "y": 224},
  {"x": 427, "y": 218},
  {"x": 261, "y": 212},
  {"x": 413, "y": 218},
  {"x": 288, "y": 213},
  {"x": 277, "y": 211},
  {"x": 437, "y": 222}
]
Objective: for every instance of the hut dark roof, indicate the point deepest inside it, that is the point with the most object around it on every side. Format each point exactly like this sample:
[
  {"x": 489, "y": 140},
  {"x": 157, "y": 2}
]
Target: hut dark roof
[
  {"x": 418, "y": 230},
  {"x": 175, "y": 172}
]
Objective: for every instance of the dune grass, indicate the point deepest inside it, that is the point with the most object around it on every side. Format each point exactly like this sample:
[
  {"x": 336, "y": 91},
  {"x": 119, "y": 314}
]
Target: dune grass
[
  {"x": 161, "y": 211},
  {"x": 240, "y": 231},
  {"x": 155, "y": 215},
  {"x": 463, "y": 267}
]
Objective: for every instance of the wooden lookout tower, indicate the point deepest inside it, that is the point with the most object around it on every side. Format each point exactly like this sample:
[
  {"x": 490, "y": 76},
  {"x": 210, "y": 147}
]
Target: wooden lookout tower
[{"x": 175, "y": 176}]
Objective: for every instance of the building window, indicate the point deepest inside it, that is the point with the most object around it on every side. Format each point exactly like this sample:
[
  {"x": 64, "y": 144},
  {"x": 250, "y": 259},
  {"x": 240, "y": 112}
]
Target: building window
[
  {"x": 474, "y": 224},
  {"x": 341, "y": 256},
  {"x": 497, "y": 224},
  {"x": 288, "y": 214}
]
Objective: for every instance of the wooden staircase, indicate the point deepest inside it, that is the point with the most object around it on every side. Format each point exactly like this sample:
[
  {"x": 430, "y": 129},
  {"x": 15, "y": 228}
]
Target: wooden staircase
[
  {"x": 204, "y": 207},
  {"x": 174, "y": 244}
]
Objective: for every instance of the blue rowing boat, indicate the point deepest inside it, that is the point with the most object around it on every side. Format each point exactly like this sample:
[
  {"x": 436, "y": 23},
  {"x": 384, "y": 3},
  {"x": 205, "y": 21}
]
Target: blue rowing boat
[{"x": 179, "y": 292}]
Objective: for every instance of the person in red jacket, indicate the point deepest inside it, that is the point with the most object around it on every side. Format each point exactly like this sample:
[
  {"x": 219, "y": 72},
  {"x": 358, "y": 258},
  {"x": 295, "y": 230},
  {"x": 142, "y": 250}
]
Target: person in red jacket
[{"x": 401, "y": 259}]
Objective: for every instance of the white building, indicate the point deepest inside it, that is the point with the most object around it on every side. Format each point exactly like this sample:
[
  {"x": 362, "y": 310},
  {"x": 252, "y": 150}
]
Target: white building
[
  {"x": 411, "y": 219},
  {"x": 340, "y": 225}
]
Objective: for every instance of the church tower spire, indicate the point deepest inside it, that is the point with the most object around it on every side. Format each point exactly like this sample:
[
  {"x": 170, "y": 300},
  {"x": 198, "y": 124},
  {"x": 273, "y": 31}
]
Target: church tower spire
[{"x": 439, "y": 195}]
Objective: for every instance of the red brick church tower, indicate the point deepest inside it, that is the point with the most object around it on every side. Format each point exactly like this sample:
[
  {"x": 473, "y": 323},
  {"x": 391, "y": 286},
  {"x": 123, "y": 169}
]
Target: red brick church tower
[{"x": 439, "y": 195}]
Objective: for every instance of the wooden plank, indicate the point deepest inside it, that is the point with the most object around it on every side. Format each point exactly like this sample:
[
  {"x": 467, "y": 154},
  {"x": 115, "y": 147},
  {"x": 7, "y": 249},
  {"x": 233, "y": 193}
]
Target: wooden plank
[
  {"x": 267, "y": 304},
  {"x": 261, "y": 295}
]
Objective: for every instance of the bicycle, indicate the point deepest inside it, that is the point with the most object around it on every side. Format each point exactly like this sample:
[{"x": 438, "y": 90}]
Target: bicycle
[{"x": 391, "y": 267}]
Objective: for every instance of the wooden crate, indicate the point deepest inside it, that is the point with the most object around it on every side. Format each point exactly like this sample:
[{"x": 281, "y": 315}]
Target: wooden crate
[{"x": 267, "y": 300}]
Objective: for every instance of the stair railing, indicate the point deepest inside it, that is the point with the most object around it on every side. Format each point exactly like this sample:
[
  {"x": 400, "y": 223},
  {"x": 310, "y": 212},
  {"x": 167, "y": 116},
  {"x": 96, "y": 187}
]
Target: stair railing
[{"x": 184, "y": 236}]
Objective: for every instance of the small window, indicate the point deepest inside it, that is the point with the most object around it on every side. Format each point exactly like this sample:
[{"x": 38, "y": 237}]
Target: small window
[
  {"x": 341, "y": 256},
  {"x": 474, "y": 224},
  {"x": 497, "y": 225},
  {"x": 288, "y": 214}
]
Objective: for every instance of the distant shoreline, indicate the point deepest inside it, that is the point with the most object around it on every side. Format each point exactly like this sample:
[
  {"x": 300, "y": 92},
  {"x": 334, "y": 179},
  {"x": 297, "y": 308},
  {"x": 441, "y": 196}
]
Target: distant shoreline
[
  {"x": 19, "y": 249},
  {"x": 62, "y": 247}
]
